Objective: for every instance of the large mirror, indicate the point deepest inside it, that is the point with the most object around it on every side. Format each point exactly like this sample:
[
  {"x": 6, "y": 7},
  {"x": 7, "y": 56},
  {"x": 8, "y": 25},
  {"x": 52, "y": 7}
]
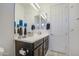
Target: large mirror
[{"x": 28, "y": 14}]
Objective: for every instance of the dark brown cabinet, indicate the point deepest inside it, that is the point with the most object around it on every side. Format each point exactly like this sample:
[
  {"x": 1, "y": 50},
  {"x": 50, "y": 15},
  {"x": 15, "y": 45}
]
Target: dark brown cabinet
[
  {"x": 38, "y": 48},
  {"x": 39, "y": 51}
]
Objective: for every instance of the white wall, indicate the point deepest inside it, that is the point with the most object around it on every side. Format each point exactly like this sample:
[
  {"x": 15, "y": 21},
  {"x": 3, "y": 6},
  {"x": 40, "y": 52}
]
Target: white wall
[
  {"x": 74, "y": 29},
  {"x": 6, "y": 28},
  {"x": 19, "y": 11}
]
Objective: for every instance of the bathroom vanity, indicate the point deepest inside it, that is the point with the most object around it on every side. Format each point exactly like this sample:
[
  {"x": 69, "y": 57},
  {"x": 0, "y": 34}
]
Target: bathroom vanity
[{"x": 37, "y": 45}]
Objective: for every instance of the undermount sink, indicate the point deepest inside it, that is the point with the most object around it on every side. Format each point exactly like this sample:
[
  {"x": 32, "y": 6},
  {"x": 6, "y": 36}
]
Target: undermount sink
[{"x": 39, "y": 33}]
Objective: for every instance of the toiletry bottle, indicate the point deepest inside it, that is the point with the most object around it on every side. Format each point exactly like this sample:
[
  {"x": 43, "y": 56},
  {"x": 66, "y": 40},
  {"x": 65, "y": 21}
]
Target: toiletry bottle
[
  {"x": 20, "y": 28},
  {"x": 25, "y": 29},
  {"x": 20, "y": 31},
  {"x": 17, "y": 29},
  {"x": 17, "y": 32},
  {"x": 33, "y": 28}
]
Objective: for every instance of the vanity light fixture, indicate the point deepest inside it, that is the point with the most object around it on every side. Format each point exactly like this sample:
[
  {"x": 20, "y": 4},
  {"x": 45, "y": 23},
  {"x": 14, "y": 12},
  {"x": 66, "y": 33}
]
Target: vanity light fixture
[
  {"x": 37, "y": 5},
  {"x": 42, "y": 16},
  {"x": 33, "y": 5},
  {"x": 37, "y": 8}
]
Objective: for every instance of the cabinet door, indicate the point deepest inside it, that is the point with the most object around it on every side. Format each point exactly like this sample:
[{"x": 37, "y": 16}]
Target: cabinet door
[
  {"x": 46, "y": 45},
  {"x": 39, "y": 51},
  {"x": 23, "y": 49},
  {"x": 45, "y": 48}
]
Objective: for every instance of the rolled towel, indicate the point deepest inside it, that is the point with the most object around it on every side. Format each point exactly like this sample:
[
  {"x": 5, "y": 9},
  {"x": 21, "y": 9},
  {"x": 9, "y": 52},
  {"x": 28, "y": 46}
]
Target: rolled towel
[{"x": 1, "y": 51}]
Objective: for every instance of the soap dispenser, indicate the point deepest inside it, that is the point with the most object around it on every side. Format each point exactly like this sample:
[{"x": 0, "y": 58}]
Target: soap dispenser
[{"x": 33, "y": 28}]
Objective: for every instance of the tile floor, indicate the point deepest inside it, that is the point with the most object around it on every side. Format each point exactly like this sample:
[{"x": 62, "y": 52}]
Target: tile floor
[{"x": 54, "y": 53}]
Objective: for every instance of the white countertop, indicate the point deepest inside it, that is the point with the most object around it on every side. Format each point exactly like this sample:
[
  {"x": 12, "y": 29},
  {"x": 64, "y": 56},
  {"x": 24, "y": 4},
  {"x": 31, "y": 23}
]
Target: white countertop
[{"x": 32, "y": 39}]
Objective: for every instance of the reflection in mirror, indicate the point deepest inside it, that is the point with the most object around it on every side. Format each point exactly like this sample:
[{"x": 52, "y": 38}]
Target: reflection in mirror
[
  {"x": 37, "y": 21},
  {"x": 31, "y": 14},
  {"x": 26, "y": 13},
  {"x": 43, "y": 23}
]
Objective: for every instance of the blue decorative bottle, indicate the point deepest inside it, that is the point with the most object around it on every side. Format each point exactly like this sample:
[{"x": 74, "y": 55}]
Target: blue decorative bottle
[{"x": 20, "y": 27}]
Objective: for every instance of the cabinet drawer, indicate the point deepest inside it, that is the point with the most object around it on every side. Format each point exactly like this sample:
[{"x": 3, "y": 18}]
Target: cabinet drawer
[
  {"x": 18, "y": 43},
  {"x": 37, "y": 43}
]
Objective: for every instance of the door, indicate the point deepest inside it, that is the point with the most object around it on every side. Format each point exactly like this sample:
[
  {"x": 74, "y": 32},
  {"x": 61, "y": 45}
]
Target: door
[{"x": 59, "y": 27}]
